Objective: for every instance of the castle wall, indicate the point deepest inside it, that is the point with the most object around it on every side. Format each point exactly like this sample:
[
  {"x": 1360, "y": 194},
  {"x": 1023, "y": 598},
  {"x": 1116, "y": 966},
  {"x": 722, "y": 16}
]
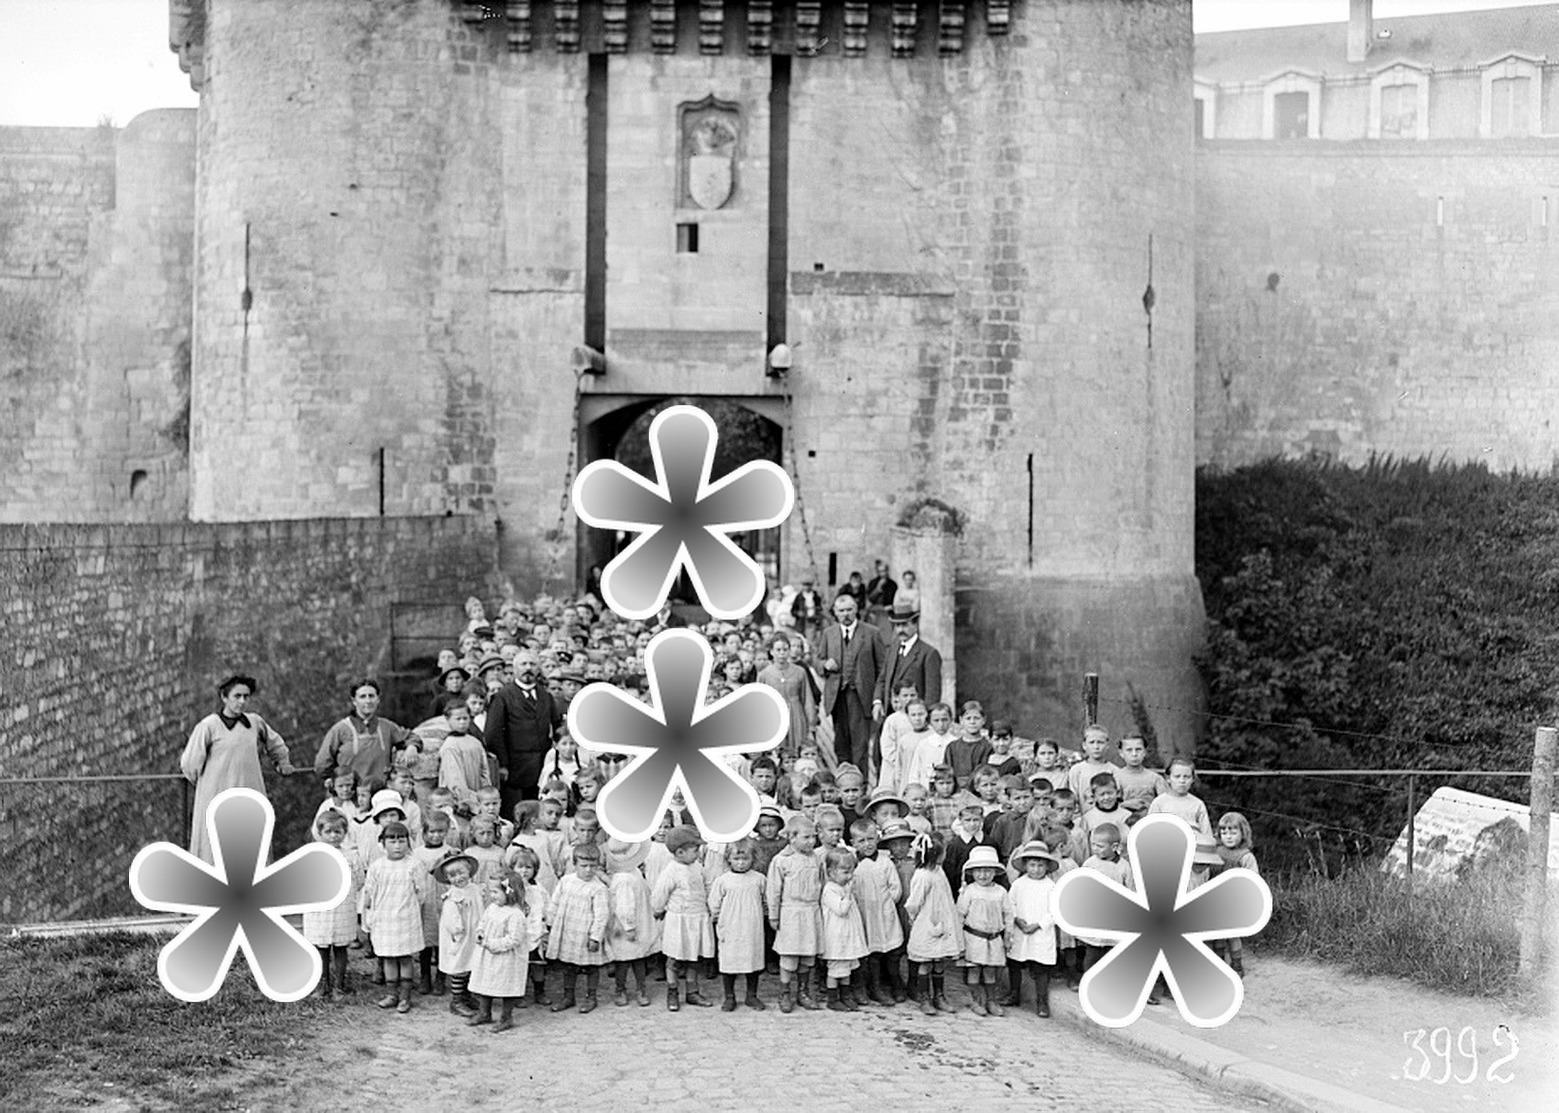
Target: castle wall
[
  {"x": 349, "y": 213},
  {"x": 95, "y": 256},
  {"x": 116, "y": 636},
  {"x": 983, "y": 235},
  {"x": 1389, "y": 331}
]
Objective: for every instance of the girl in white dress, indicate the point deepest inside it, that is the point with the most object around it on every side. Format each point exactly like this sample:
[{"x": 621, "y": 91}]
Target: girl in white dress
[
  {"x": 510, "y": 926},
  {"x": 736, "y": 906},
  {"x": 1031, "y": 943}
]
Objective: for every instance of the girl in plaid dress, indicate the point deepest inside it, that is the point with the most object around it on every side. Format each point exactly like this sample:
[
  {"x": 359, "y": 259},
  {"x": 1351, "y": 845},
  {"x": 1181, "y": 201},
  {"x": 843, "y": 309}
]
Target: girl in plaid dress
[
  {"x": 576, "y": 920},
  {"x": 333, "y": 929},
  {"x": 633, "y": 934},
  {"x": 509, "y": 928},
  {"x": 392, "y": 911}
]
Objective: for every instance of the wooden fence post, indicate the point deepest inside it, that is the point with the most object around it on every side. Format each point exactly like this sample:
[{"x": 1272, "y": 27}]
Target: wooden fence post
[{"x": 1543, "y": 760}]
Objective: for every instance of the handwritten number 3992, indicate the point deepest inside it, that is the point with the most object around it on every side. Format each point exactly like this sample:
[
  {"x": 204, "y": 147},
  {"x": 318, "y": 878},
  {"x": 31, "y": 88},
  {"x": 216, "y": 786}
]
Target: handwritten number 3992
[{"x": 1466, "y": 1044}]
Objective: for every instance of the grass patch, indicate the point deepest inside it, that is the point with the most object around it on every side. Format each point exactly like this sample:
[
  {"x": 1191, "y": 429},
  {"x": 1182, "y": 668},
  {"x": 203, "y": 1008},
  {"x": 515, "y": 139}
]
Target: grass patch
[
  {"x": 85, "y": 1018},
  {"x": 1463, "y": 937}
]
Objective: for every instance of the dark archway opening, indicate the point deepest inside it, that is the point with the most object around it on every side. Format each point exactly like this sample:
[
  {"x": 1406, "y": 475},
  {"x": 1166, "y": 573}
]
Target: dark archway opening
[{"x": 621, "y": 433}]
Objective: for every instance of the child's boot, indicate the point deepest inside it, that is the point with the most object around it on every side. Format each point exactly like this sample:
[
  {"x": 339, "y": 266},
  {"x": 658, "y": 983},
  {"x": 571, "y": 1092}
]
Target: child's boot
[
  {"x": 639, "y": 978},
  {"x": 753, "y": 1001},
  {"x": 695, "y": 998},
  {"x": 787, "y": 1000},
  {"x": 390, "y": 998},
  {"x": 834, "y": 1003},
  {"x": 1237, "y": 963},
  {"x": 851, "y": 994},
  {"x": 1041, "y": 991},
  {"x": 874, "y": 992},
  {"x": 378, "y": 978},
  {"x": 425, "y": 986},
  {"x": 804, "y": 996},
  {"x": 484, "y": 1011},
  {"x": 457, "y": 995},
  {"x": 506, "y": 1017},
  {"x": 673, "y": 1002},
  {"x": 992, "y": 1006},
  {"x": 921, "y": 985},
  {"x": 977, "y": 997},
  {"x": 592, "y": 986},
  {"x": 440, "y": 984},
  {"x": 939, "y": 994},
  {"x": 1014, "y": 995},
  {"x": 339, "y": 958},
  {"x": 405, "y": 1002},
  {"x": 728, "y": 1002},
  {"x": 540, "y": 982},
  {"x": 570, "y": 980},
  {"x": 891, "y": 980}
]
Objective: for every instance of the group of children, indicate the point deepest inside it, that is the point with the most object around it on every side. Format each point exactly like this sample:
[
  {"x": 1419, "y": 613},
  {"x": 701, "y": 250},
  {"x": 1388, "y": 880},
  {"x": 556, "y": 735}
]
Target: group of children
[{"x": 847, "y": 898}]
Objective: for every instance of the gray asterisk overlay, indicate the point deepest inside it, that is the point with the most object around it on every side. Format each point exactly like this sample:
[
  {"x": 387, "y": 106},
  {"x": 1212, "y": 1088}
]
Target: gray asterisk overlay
[
  {"x": 682, "y": 519},
  {"x": 1161, "y": 929},
  {"x": 239, "y": 902},
  {"x": 678, "y": 742}
]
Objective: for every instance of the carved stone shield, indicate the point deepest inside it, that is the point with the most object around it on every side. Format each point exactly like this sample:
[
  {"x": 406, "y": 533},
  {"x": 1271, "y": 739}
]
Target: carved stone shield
[{"x": 709, "y": 180}]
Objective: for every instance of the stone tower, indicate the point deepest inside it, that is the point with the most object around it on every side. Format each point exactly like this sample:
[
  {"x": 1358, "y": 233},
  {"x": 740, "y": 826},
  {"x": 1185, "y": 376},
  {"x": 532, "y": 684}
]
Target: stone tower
[{"x": 448, "y": 252}]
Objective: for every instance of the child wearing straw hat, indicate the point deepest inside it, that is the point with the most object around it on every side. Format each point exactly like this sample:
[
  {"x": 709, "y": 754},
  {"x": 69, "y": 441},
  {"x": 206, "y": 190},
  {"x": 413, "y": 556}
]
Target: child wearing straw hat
[
  {"x": 1031, "y": 944},
  {"x": 457, "y": 924},
  {"x": 633, "y": 933},
  {"x": 985, "y": 910}
]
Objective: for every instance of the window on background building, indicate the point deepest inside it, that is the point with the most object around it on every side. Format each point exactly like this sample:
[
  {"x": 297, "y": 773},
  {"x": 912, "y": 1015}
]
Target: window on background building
[
  {"x": 1399, "y": 112},
  {"x": 1291, "y": 116},
  {"x": 1510, "y": 106}
]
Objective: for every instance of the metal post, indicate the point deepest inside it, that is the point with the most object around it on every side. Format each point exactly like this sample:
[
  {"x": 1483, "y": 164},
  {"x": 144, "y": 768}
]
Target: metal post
[
  {"x": 1090, "y": 699},
  {"x": 1543, "y": 759}
]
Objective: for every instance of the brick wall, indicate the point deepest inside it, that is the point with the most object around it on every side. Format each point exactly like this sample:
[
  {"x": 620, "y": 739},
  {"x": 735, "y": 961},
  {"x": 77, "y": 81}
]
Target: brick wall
[
  {"x": 1414, "y": 312},
  {"x": 115, "y": 637},
  {"x": 96, "y": 238}
]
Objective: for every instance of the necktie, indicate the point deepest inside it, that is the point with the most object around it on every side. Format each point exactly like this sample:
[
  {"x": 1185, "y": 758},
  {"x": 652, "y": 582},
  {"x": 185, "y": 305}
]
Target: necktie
[{"x": 903, "y": 651}]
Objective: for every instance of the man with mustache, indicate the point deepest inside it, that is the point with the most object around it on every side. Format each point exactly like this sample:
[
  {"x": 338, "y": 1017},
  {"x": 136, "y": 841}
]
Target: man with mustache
[{"x": 523, "y": 719}]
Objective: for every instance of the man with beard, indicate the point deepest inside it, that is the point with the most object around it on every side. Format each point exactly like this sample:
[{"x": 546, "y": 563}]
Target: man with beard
[
  {"x": 851, "y": 656},
  {"x": 523, "y": 719}
]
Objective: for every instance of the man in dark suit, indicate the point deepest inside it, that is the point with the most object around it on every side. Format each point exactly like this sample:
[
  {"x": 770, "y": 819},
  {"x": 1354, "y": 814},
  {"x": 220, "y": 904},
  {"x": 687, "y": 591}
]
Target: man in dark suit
[
  {"x": 522, "y": 720},
  {"x": 911, "y": 661},
  {"x": 851, "y": 656}
]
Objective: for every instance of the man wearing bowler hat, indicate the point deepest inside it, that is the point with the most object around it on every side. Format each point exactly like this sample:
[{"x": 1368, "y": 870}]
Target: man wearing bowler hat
[{"x": 910, "y": 661}]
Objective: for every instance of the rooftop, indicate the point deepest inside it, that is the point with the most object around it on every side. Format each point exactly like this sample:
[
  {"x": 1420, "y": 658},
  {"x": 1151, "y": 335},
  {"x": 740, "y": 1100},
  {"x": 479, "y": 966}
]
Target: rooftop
[{"x": 1447, "y": 41}]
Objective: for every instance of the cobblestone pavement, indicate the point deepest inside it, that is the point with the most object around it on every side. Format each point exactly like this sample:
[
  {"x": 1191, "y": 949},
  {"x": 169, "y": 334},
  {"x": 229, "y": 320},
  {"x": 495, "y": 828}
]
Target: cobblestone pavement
[{"x": 632, "y": 1058}]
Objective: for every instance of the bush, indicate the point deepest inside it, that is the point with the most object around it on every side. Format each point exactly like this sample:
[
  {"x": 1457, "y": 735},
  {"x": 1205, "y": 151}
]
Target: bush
[{"x": 1394, "y": 615}]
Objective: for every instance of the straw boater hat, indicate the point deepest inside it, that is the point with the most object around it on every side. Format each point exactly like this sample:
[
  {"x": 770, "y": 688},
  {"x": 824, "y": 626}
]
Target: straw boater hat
[
  {"x": 898, "y": 829},
  {"x": 441, "y": 867},
  {"x": 490, "y": 662},
  {"x": 1035, "y": 848},
  {"x": 982, "y": 857},
  {"x": 624, "y": 856},
  {"x": 386, "y": 799},
  {"x": 1206, "y": 852},
  {"x": 904, "y": 612},
  {"x": 886, "y": 796}
]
